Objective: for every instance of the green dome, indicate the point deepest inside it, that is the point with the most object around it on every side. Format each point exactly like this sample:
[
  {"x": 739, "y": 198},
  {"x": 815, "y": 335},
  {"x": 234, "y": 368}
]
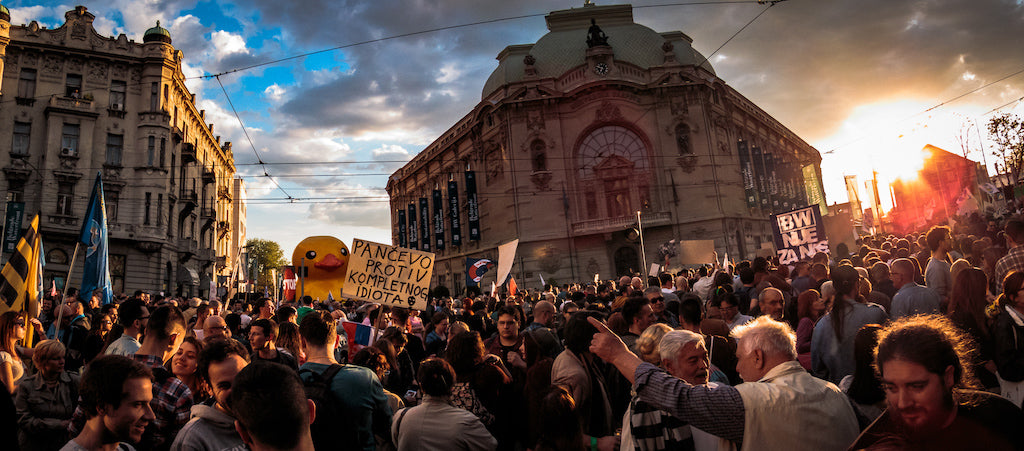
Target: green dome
[{"x": 157, "y": 33}]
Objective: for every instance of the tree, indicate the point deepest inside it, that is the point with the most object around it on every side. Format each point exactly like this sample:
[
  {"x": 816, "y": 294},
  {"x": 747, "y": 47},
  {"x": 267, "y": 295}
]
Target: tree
[
  {"x": 1007, "y": 131},
  {"x": 264, "y": 256}
]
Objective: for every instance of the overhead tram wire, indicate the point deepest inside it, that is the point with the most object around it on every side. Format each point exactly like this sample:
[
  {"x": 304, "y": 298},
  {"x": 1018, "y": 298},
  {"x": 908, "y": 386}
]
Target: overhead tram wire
[
  {"x": 454, "y": 27},
  {"x": 248, "y": 138}
]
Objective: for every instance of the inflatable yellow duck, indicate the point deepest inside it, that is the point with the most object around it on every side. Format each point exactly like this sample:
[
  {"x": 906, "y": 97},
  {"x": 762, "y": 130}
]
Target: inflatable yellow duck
[{"x": 326, "y": 260}]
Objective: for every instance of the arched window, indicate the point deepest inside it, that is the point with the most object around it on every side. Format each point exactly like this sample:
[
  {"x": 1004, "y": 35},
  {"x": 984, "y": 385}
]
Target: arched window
[
  {"x": 683, "y": 139},
  {"x": 538, "y": 156},
  {"x": 614, "y": 173}
]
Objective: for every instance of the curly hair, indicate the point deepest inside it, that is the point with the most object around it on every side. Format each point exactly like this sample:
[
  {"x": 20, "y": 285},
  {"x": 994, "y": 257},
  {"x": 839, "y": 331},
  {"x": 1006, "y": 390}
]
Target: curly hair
[{"x": 931, "y": 341}]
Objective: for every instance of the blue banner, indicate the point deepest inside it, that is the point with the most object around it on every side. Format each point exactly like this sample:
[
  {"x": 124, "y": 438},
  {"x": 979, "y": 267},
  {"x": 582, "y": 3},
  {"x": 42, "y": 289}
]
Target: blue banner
[{"x": 96, "y": 272}]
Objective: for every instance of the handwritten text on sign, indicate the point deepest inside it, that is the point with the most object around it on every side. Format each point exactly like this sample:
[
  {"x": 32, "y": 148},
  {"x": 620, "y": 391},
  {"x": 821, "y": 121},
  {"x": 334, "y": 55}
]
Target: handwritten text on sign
[
  {"x": 388, "y": 275},
  {"x": 799, "y": 234}
]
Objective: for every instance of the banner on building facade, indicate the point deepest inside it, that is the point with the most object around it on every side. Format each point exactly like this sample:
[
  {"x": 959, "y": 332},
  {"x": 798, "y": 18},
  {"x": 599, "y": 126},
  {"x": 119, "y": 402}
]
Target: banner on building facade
[
  {"x": 413, "y": 227},
  {"x": 747, "y": 169},
  {"x": 403, "y": 239},
  {"x": 453, "y": 213},
  {"x": 438, "y": 220},
  {"x": 762, "y": 179},
  {"x": 472, "y": 206},
  {"x": 12, "y": 225},
  {"x": 799, "y": 234},
  {"x": 812, "y": 189},
  {"x": 424, "y": 225},
  {"x": 773, "y": 181},
  {"x": 388, "y": 275}
]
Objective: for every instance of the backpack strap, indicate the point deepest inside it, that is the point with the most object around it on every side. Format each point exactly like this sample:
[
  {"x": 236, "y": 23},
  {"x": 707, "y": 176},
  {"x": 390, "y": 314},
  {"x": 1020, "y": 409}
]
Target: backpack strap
[
  {"x": 398, "y": 421},
  {"x": 330, "y": 372}
]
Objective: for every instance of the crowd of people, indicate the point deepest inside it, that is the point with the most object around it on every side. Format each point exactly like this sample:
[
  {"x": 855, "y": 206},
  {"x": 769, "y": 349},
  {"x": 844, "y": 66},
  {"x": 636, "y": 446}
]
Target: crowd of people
[{"x": 907, "y": 342}]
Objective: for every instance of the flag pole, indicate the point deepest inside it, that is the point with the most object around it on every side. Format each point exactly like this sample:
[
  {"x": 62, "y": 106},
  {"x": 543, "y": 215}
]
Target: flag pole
[{"x": 71, "y": 267}]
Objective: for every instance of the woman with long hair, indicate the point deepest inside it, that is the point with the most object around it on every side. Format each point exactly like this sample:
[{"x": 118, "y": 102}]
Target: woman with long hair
[
  {"x": 832, "y": 342},
  {"x": 863, "y": 386},
  {"x": 809, "y": 307},
  {"x": 96, "y": 342},
  {"x": 968, "y": 303},
  {"x": 479, "y": 378},
  {"x": 1008, "y": 333},
  {"x": 288, "y": 338},
  {"x": 435, "y": 423},
  {"x": 560, "y": 424},
  {"x": 184, "y": 365},
  {"x": 12, "y": 368}
]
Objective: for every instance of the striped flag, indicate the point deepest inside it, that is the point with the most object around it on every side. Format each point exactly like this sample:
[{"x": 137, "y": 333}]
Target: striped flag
[
  {"x": 19, "y": 279},
  {"x": 359, "y": 336}
]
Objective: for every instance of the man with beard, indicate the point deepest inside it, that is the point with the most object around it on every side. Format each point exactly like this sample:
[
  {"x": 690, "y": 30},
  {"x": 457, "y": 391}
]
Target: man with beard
[
  {"x": 928, "y": 388},
  {"x": 115, "y": 396}
]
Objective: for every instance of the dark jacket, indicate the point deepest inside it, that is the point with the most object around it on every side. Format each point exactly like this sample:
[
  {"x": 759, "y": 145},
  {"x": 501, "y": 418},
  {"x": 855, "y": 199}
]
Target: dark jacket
[{"x": 1009, "y": 347}]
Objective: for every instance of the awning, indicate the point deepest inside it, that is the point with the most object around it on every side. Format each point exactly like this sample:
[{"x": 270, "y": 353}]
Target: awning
[{"x": 187, "y": 275}]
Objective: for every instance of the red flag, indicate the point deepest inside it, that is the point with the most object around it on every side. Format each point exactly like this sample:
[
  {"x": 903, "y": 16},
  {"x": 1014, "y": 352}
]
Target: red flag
[
  {"x": 512, "y": 288},
  {"x": 53, "y": 290}
]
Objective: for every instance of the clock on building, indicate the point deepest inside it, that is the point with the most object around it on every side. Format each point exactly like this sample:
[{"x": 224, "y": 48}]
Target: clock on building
[{"x": 601, "y": 69}]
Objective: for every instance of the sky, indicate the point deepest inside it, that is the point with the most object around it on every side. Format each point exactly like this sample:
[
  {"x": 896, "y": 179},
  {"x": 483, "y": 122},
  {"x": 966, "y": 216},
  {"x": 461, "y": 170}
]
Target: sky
[{"x": 868, "y": 83}]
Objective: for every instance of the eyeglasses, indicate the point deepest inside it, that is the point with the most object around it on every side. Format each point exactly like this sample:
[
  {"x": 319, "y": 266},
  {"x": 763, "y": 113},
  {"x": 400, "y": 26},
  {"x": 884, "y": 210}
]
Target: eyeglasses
[{"x": 658, "y": 299}]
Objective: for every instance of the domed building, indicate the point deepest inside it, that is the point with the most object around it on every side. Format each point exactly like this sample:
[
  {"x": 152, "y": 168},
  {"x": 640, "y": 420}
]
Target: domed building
[{"x": 600, "y": 119}]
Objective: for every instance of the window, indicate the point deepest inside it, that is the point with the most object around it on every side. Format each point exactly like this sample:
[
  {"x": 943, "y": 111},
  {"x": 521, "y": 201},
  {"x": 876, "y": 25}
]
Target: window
[
  {"x": 117, "y": 94},
  {"x": 163, "y": 150},
  {"x": 73, "y": 86},
  {"x": 117, "y": 269},
  {"x": 15, "y": 190},
  {"x": 27, "y": 83},
  {"x": 115, "y": 147},
  {"x": 69, "y": 139},
  {"x": 538, "y": 157},
  {"x": 149, "y": 200},
  {"x": 159, "y": 209},
  {"x": 111, "y": 199},
  {"x": 683, "y": 139},
  {"x": 22, "y": 130},
  {"x": 151, "y": 151},
  {"x": 154, "y": 97},
  {"x": 65, "y": 198}
]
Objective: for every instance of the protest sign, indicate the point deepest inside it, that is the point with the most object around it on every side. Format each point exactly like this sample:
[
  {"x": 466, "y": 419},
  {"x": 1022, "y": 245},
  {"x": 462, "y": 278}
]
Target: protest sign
[
  {"x": 388, "y": 275},
  {"x": 697, "y": 252},
  {"x": 799, "y": 234}
]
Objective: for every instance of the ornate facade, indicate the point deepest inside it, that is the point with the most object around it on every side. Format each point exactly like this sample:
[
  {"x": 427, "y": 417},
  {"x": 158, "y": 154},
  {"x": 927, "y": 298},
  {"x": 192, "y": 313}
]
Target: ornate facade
[
  {"x": 75, "y": 103},
  {"x": 599, "y": 119}
]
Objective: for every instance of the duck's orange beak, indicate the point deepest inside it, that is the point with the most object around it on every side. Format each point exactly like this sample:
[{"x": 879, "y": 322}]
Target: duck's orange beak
[{"x": 329, "y": 263}]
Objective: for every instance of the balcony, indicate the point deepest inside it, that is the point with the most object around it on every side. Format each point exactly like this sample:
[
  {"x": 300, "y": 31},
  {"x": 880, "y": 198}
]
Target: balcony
[
  {"x": 187, "y": 247},
  {"x": 72, "y": 106},
  {"x": 224, "y": 193},
  {"x": 188, "y": 153},
  {"x": 206, "y": 255},
  {"x": 189, "y": 201},
  {"x": 615, "y": 224},
  {"x": 209, "y": 176}
]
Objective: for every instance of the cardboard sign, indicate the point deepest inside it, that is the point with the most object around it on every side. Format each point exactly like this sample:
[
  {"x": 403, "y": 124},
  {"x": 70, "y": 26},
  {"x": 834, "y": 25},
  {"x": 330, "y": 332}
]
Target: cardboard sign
[
  {"x": 697, "y": 252},
  {"x": 799, "y": 234},
  {"x": 388, "y": 275}
]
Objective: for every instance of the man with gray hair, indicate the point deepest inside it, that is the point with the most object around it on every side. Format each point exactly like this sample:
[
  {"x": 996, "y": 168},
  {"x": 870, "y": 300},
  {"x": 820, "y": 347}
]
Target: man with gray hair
[
  {"x": 775, "y": 409},
  {"x": 772, "y": 303}
]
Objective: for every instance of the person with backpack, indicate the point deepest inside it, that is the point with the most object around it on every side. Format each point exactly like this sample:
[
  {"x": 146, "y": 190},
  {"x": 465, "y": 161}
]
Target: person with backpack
[{"x": 352, "y": 411}]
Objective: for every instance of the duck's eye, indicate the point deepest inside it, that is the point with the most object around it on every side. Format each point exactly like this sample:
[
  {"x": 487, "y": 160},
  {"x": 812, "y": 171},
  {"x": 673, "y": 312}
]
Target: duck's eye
[
  {"x": 344, "y": 251},
  {"x": 310, "y": 255}
]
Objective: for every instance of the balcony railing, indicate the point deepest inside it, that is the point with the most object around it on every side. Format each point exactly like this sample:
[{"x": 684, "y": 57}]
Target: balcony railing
[{"x": 615, "y": 224}]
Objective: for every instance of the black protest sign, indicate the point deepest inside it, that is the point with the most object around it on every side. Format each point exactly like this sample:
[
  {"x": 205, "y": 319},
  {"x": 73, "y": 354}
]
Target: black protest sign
[{"x": 799, "y": 234}]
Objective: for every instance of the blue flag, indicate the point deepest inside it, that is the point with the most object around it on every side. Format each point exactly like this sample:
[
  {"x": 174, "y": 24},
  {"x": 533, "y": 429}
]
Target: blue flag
[{"x": 96, "y": 273}]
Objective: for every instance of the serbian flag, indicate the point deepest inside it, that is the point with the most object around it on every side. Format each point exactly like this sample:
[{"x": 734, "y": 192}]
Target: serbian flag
[
  {"x": 475, "y": 269},
  {"x": 359, "y": 336},
  {"x": 289, "y": 283},
  {"x": 512, "y": 287}
]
